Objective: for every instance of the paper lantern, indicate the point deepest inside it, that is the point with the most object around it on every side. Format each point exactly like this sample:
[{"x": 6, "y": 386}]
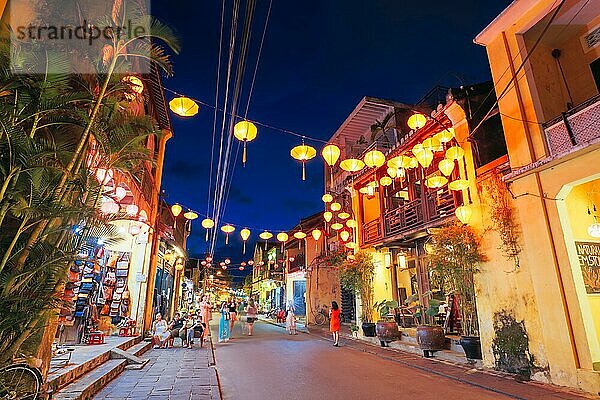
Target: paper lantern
[
  {"x": 594, "y": 230},
  {"x": 282, "y": 237},
  {"x": 104, "y": 175},
  {"x": 109, "y": 207},
  {"x": 327, "y": 198},
  {"x": 190, "y": 215},
  {"x": 335, "y": 206},
  {"x": 303, "y": 153},
  {"x": 418, "y": 149},
  {"x": 207, "y": 224},
  {"x": 432, "y": 144},
  {"x": 446, "y": 166},
  {"x": 245, "y": 234},
  {"x": 364, "y": 190},
  {"x": 343, "y": 215},
  {"x": 143, "y": 216},
  {"x": 351, "y": 245},
  {"x": 183, "y": 106},
  {"x": 352, "y": 165},
  {"x": 455, "y": 153},
  {"x": 132, "y": 210},
  {"x": 316, "y": 234},
  {"x": 458, "y": 184},
  {"x": 331, "y": 154},
  {"x": 135, "y": 83},
  {"x": 446, "y": 135},
  {"x": 416, "y": 121},
  {"x": 351, "y": 223},
  {"x": 176, "y": 210},
  {"x": 134, "y": 229},
  {"x": 120, "y": 192},
  {"x": 435, "y": 182},
  {"x": 299, "y": 235},
  {"x": 385, "y": 181},
  {"x": 411, "y": 162},
  {"x": 337, "y": 226},
  {"x": 245, "y": 131},
  {"x": 374, "y": 159},
  {"x": 266, "y": 235},
  {"x": 328, "y": 216},
  {"x": 227, "y": 229},
  {"x": 463, "y": 213},
  {"x": 345, "y": 235},
  {"x": 425, "y": 158}
]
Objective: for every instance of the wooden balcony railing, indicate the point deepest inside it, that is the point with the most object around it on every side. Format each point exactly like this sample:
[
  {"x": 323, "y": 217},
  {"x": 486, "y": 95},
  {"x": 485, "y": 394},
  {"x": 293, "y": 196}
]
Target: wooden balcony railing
[{"x": 372, "y": 231}]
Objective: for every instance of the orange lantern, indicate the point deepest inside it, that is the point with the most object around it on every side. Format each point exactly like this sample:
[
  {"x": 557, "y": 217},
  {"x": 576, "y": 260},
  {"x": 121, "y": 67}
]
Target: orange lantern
[
  {"x": 183, "y": 106},
  {"x": 245, "y": 131},
  {"x": 303, "y": 153}
]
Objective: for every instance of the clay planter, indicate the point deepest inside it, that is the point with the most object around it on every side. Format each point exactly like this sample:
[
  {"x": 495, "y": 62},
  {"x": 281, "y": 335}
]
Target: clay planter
[
  {"x": 472, "y": 347},
  {"x": 387, "y": 332},
  {"x": 368, "y": 329},
  {"x": 430, "y": 339}
]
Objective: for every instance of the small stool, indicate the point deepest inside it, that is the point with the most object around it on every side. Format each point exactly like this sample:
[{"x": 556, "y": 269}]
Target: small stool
[
  {"x": 126, "y": 331},
  {"x": 96, "y": 338}
]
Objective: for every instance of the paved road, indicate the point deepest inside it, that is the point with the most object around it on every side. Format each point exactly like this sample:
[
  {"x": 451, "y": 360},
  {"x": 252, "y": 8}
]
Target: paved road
[{"x": 273, "y": 365}]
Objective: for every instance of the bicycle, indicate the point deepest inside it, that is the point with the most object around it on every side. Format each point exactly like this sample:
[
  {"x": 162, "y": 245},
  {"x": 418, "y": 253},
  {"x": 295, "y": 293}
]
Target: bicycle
[
  {"x": 321, "y": 315},
  {"x": 20, "y": 381}
]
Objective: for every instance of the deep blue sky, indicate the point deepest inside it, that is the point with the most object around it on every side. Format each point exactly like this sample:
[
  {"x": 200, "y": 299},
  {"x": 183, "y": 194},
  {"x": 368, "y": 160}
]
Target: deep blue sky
[{"x": 319, "y": 59}]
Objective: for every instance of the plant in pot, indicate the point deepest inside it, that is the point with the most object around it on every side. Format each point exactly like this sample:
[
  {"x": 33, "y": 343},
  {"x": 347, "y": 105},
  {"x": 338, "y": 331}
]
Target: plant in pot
[
  {"x": 386, "y": 327},
  {"x": 354, "y": 330},
  {"x": 430, "y": 336},
  {"x": 357, "y": 274},
  {"x": 455, "y": 255}
]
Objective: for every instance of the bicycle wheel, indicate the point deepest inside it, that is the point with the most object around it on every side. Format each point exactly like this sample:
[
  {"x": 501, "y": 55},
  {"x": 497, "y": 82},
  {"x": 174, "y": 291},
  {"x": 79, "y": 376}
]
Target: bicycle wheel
[
  {"x": 320, "y": 319},
  {"x": 19, "y": 382}
]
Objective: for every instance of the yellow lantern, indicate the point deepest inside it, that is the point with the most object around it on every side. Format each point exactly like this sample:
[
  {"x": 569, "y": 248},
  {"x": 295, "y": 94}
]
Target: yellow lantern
[
  {"x": 351, "y": 223},
  {"x": 207, "y": 224},
  {"x": 385, "y": 181},
  {"x": 364, "y": 190},
  {"x": 411, "y": 162},
  {"x": 351, "y": 245},
  {"x": 176, "y": 210},
  {"x": 455, "y": 153},
  {"x": 343, "y": 215},
  {"x": 446, "y": 135},
  {"x": 418, "y": 149},
  {"x": 392, "y": 172},
  {"x": 245, "y": 131},
  {"x": 352, "y": 165},
  {"x": 266, "y": 235},
  {"x": 331, "y": 154},
  {"x": 345, "y": 235},
  {"x": 416, "y": 121},
  {"x": 337, "y": 226},
  {"x": 432, "y": 144},
  {"x": 245, "y": 234},
  {"x": 316, "y": 234},
  {"x": 446, "y": 166},
  {"x": 299, "y": 235},
  {"x": 435, "y": 182},
  {"x": 327, "y": 198},
  {"x": 425, "y": 158},
  {"x": 303, "y": 153},
  {"x": 136, "y": 84},
  {"x": 227, "y": 229},
  {"x": 464, "y": 213},
  {"x": 328, "y": 215},
  {"x": 374, "y": 159},
  {"x": 335, "y": 206},
  {"x": 282, "y": 237},
  {"x": 183, "y": 106},
  {"x": 458, "y": 184},
  {"x": 190, "y": 215}
]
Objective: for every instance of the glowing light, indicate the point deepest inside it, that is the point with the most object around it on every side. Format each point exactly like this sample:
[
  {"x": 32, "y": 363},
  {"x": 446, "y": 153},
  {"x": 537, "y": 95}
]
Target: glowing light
[
  {"x": 594, "y": 230},
  {"x": 303, "y": 153},
  {"x": 328, "y": 216},
  {"x": 446, "y": 166},
  {"x": 351, "y": 223},
  {"x": 176, "y": 209},
  {"x": 335, "y": 206},
  {"x": 120, "y": 193},
  {"x": 464, "y": 213},
  {"x": 266, "y": 235},
  {"x": 337, "y": 226},
  {"x": 458, "y": 184},
  {"x": 208, "y": 223},
  {"x": 135, "y": 83},
  {"x": 331, "y": 154},
  {"x": 316, "y": 234},
  {"x": 351, "y": 245},
  {"x": 374, "y": 159},
  {"x": 455, "y": 153},
  {"x": 299, "y": 235},
  {"x": 282, "y": 237},
  {"x": 432, "y": 144},
  {"x": 132, "y": 210},
  {"x": 184, "y": 106},
  {"x": 435, "y": 182},
  {"x": 352, "y": 165},
  {"x": 343, "y": 215},
  {"x": 327, "y": 198},
  {"x": 104, "y": 175},
  {"x": 425, "y": 158},
  {"x": 446, "y": 135},
  {"x": 190, "y": 215},
  {"x": 245, "y": 131},
  {"x": 227, "y": 229},
  {"x": 416, "y": 121},
  {"x": 345, "y": 235},
  {"x": 385, "y": 181}
]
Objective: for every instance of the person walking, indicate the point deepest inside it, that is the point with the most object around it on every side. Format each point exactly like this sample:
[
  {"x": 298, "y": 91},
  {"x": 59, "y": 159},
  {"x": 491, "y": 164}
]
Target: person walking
[
  {"x": 290, "y": 322},
  {"x": 224, "y": 331},
  {"x": 335, "y": 322},
  {"x": 206, "y": 312},
  {"x": 232, "y": 314},
  {"x": 251, "y": 312}
]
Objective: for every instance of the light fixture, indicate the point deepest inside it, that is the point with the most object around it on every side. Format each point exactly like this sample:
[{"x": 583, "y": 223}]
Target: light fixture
[
  {"x": 299, "y": 235},
  {"x": 266, "y": 235},
  {"x": 343, "y": 215},
  {"x": 351, "y": 223},
  {"x": 245, "y": 234},
  {"x": 190, "y": 215},
  {"x": 458, "y": 184},
  {"x": 134, "y": 229},
  {"x": 328, "y": 215},
  {"x": 594, "y": 230},
  {"x": 416, "y": 121},
  {"x": 374, "y": 159},
  {"x": 464, "y": 213},
  {"x": 327, "y": 198},
  {"x": 351, "y": 245},
  {"x": 183, "y": 106},
  {"x": 425, "y": 158},
  {"x": 303, "y": 153},
  {"x": 418, "y": 149},
  {"x": 132, "y": 210},
  {"x": 455, "y": 153},
  {"x": 227, "y": 261},
  {"x": 176, "y": 210},
  {"x": 331, "y": 154},
  {"x": 432, "y": 144},
  {"x": 446, "y": 166},
  {"x": 245, "y": 131},
  {"x": 335, "y": 206},
  {"x": 446, "y": 135},
  {"x": 345, "y": 235},
  {"x": 207, "y": 224},
  {"x": 385, "y": 181},
  {"x": 435, "y": 182},
  {"x": 316, "y": 234},
  {"x": 337, "y": 226},
  {"x": 120, "y": 192},
  {"x": 135, "y": 83},
  {"x": 352, "y": 165},
  {"x": 104, "y": 175},
  {"x": 227, "y": 229},
  {"x": 109, "y": 207}
]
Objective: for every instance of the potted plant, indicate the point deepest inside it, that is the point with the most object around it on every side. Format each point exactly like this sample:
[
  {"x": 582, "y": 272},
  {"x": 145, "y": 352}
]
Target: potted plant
[
  {"x": 430, "y": 336},
  {"x": 455, "y": 255},
  {"x": 354, "y": 330},
  {"x": 386, "y": 327},
  {"x": 356, "y": 275}
]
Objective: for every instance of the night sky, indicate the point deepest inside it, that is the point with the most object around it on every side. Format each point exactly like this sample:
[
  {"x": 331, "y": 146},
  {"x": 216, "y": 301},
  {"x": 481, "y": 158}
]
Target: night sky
[{"x": 320, "y": 57}]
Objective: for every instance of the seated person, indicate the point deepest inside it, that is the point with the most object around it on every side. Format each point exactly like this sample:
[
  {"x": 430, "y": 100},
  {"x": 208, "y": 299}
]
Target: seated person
[
  {"x": 175, "y": 327},
  {"x": 199, "y": 330},
  {"x": 160, "y": 332}
]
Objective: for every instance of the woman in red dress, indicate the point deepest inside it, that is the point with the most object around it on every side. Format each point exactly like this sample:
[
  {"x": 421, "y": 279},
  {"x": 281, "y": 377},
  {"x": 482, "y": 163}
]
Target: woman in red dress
[{"x": 334, "y": 322}]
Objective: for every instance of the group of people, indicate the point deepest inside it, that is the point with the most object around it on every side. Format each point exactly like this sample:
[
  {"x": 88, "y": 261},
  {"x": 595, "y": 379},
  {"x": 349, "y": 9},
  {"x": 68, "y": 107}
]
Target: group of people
[{"x": 230, "y": 312}]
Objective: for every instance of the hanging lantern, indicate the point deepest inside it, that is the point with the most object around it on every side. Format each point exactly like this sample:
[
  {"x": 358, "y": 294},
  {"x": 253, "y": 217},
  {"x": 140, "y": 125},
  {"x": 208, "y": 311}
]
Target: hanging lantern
[
  {"x": 345, "y": 235},
  {"x": 364, "y": 190},
  {"x": 374, "y": 159},
  {"x": 335, "y": 206},
  {"x": 463, "y": 213},
  {"x": 337, "y": 226},
  {"x": 245, "y": 131},
  {"x": 190, "y": 215},
  {"x": 143, "y": 216},
  {"x": 455, "y": 153},
  {"x": 351, "y": 245},
  {"x": 109, "y": 207},
  {"x": 416, "y": 121},
  {"x": 446, "y": 135},
  {"x": 352, "y": 165},
  {"x": 176, "y": 210},
  {"x": 331, "y": 154},
  {"x": 266, "y": 235},
  {"x": 316, "y": 234},
  {"x": 227, "y": 229},
  {"x": 183, "y": 106},
  {"x": 435, "y": 182},
  {"x": 104, "y": 175},
  {"x": 411, "y": 162},
  {"x": 594, "y": 230},
  {"x": 207, "y": 224},
  {"x": 446, "y": 166},
  {"x": 327, "y": 198},
  {"x": 328, "y": 216},
  {"x": 245, "y": 234},
  {"x": 458, "y": 184},
  {"x": 303, "y": 153},
  {"x": 132, "y": 210},
  {"x": 134, "y": 229},
  {"x": 135, "y": 83},
  {"x": 282, "y": 237},
  {"x": 425, "y": 158},
  {"x": 385, "y": 181},
  {"x": 343, "y": 215},
  {"x": 299, "y": 235},
  {"x": 418, "y": 149},
  {"x": 432, "y": 144},
  {"x": 120, "y": 193},
  {"x": 392, "y": 172},
  {"x": 351, "y": 223}
]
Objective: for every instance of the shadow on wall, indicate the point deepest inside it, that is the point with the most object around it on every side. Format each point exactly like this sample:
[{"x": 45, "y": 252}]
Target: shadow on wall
[{"x": 511, "y": 345}]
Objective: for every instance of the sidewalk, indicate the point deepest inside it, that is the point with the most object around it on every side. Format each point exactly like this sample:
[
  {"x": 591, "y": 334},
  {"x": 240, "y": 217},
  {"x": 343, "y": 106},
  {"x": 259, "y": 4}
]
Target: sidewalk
[
  {"x": 494, "y": 381},
  {"x": 299, "y": 326}
]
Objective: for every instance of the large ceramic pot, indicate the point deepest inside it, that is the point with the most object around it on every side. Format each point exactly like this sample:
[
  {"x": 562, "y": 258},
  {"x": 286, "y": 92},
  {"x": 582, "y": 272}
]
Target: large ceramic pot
[
  {"x": 368, "y": 329},
  {"x": 472, "y": 347},
  {"x": 430, "y": 339},
  {"x": 387, "y": 332}
]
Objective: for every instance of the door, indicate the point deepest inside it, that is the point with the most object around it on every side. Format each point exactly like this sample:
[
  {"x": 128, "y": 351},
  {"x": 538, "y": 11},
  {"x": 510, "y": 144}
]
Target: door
[{"x": 299, "y": 298}]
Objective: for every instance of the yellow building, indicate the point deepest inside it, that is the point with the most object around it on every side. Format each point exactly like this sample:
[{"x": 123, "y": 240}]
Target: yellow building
[{"x": 544, "y": 58}]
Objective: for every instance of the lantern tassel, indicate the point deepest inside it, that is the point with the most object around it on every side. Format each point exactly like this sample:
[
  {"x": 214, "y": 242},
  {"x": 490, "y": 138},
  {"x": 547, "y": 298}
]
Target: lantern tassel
[
  {"x": 244, "y": 154},
  {"x": 207, "y": 235},
  {"x": 303, "y": 171},
  {"x": 331, "y": 176},
  {"x": 244, "y": 251},
  {"x": 227, "y": 239}
]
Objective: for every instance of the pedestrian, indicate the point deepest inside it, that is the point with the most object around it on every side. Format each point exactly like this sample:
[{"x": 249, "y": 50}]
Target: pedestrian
[
  {"x": 160, "y": 332},
  {"x": 206, "y": 312},
  {"x": 199, "y": 330},
  {"x": 290, "y": 322},
  {"x": 224, "y": 331},
  {"x": 334, "y": 322},
  {"x": 251, "y": 312},
  {"x": 232, "y": 314},
  {"x": 190, "y": 324}
]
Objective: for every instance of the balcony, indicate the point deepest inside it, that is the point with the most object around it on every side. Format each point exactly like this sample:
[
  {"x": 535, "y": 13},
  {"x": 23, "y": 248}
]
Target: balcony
[{"x": 574, "y": 129}]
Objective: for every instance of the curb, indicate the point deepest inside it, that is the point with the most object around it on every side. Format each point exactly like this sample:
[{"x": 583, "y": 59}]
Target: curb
[{"x": 212, "y": 362}]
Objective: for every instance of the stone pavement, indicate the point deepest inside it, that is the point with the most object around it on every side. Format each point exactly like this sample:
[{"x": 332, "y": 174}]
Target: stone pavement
[{"x": 171, "y": 374}]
